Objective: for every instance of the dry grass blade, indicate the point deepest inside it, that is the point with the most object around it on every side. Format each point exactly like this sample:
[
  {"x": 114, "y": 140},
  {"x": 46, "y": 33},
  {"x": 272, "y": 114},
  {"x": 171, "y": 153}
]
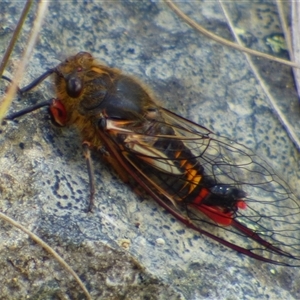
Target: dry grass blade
[
  {"x": 284, "y": 25},
  {"x": 49, "y": 249},
  {"x": 5, "y": 103},
  {"x": 238, "y": 46},
  {"x": 282, "y": 117},
  {"x": 8, "y": 98},
  {"x": 225, "y": 42},
  {"x": 295, "y": 54},
  {"x": 15, "y": 36}
]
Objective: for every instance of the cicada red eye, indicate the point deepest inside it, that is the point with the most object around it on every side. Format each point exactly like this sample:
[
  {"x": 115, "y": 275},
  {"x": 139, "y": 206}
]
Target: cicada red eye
[{"x": 58, "y": 112}]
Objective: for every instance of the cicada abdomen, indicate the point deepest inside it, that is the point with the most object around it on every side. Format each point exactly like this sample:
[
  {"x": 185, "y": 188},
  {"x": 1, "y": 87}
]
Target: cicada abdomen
[{"x": 213, "y": 185}]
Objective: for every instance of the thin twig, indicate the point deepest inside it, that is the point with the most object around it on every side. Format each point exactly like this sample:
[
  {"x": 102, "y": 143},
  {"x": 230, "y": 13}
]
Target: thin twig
[
  {"x": 50, "y": 250},
  {"x": 283, "y": 120},
  {"x": 295, "y": 10},
  {"x": 284, "y": 26},
  {"x": 14, "y": 38},
  {"x": 7, "y": 100},
  {"x": 225, "y": 42}
]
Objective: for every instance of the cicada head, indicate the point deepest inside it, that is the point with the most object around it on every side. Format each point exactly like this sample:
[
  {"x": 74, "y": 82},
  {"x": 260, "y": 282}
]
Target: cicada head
[
  {"x": 70, "y": 75},
  {"x": 80, "y": 79}
]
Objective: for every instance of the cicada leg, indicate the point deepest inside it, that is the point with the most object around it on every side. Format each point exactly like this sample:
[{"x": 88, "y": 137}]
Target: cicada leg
[{"x": 87, "y": 154}]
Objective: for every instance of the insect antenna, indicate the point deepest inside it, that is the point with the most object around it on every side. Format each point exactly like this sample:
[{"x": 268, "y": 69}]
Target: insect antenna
[
  {"x": 37, "y": 81},
  {"x": 29, "y": 109},
  {"x": 27, "y": 88}
]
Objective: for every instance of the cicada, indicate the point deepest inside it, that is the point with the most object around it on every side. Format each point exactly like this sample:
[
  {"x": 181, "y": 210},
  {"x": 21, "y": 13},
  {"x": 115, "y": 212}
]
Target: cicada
[{"x": 212, "y": 184}]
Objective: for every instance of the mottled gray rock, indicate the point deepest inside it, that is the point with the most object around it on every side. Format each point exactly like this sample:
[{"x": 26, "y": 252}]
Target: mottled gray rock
[{"x": 130, "y": 248}]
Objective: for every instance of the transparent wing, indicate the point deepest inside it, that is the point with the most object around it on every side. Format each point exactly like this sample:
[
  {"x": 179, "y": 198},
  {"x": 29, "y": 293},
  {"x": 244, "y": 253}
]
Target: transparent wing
[{"x": 267, "y": 228}]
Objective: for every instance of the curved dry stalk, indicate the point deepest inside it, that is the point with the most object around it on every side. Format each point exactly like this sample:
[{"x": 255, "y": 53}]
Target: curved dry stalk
[
  {"x": 225, "y": 42},
  {"x": 295, "y": 12},
  {"x": 14, "y": 38},
  {"x": 8, "y": 98},
  {"x": 4, "y": 105},
  {"x": 292, "y": 41},
  {"x": 49, "y": 249},
  {"x": 285, "y": 28},
  {"x": 283, "y": 120}
]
